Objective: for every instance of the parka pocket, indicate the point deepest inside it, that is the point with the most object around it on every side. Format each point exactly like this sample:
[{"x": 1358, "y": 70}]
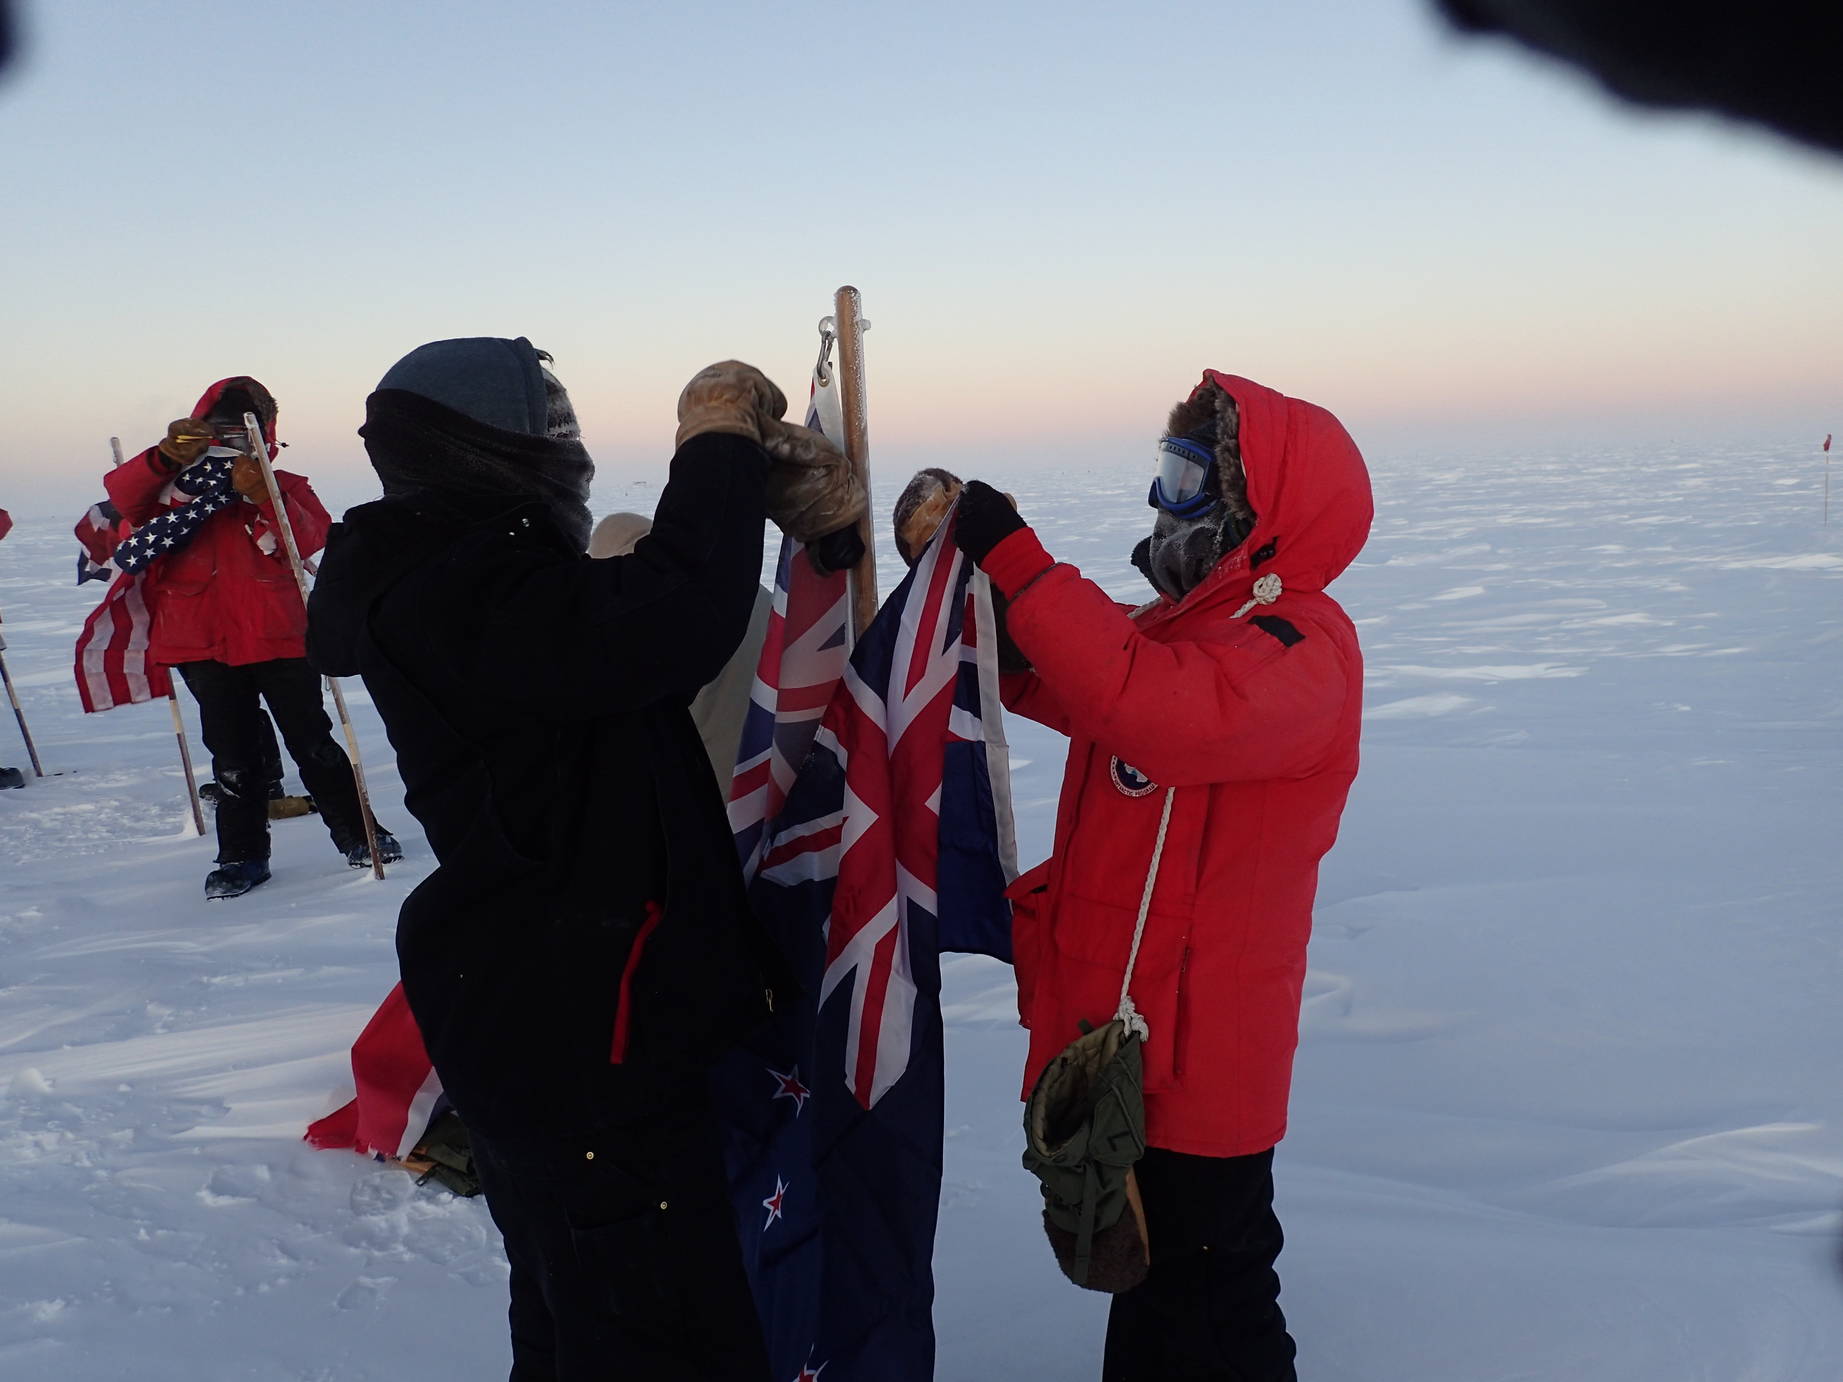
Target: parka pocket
[
  {"x": 1029, "y": 896},
  {"x": 1091, "y": 942},
  {"x": 649, "y": 1221},
  {"x": 617, "y": 1231}
]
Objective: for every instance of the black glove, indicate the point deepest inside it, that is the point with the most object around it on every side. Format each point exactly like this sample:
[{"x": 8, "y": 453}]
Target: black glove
[
  {"x": 1010, "y": 657},
  {"x": 839, "y": 551},
  {"x": 985, "y": 519},
  {"x": 1142, "y": 561}
]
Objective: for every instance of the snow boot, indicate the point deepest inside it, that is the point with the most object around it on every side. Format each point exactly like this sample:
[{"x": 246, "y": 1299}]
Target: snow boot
[
  {"x": 359, "y": 856},
  {"x": 235, "y": 879},
  {"x": 12, "y": 777}
]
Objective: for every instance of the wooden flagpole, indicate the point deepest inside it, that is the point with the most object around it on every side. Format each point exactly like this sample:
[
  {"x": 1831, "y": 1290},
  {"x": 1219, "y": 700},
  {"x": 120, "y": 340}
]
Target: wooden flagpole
[
  {"x": 847, "y": 315},
  {"x": 179, "y": 722},
  {"x": 38, "y": 768},
  {"x": 260, "y": 446}
]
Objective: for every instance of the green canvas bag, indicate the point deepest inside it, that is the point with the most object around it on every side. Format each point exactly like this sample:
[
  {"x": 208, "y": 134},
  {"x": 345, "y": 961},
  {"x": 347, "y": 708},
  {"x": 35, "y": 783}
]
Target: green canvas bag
[
  {"x": 1084, "y": 1131},
  {"x": 445, "y": 1155}
]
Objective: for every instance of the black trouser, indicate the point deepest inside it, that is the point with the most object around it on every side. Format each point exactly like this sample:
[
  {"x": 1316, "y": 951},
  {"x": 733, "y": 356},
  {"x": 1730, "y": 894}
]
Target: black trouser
[
  {"x": 625, "y": 1262},
  {"x": 271, "y": 753},
  {"x": 230, "y": 718},
  {"x": 1209, "y": 1310}
]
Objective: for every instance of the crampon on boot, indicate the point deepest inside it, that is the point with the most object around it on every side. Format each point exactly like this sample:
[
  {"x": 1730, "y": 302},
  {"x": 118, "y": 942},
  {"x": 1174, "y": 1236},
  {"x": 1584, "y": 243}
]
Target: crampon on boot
[
  {"x": 235, "y": 879},
  {"x": 359, "y": 855}
]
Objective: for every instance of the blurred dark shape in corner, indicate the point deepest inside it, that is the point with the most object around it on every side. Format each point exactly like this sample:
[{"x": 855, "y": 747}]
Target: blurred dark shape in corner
[
  {"x": 7, "y": 35},
  {"x": 1778, "y": 62}
]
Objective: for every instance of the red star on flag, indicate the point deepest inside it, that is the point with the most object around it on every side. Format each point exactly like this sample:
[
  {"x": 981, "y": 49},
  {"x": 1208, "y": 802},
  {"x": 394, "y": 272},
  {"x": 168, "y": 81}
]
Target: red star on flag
[
  {"x": 774, "y": 1203},
  {"x": 789, "y": 1087}
]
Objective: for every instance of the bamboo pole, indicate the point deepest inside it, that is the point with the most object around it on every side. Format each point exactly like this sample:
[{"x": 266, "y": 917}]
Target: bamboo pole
[
  {"x": 260, "y": 446},
  {"x": 20, "y": 715},
  {"x": 185, "y": 761},
  {"x": 847, "y": 315},
  {"x": 179, "y": 722}
]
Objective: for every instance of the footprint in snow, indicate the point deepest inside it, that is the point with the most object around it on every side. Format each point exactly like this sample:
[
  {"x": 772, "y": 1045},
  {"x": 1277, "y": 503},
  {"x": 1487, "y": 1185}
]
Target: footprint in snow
[{"x": 366, "y": 1293}]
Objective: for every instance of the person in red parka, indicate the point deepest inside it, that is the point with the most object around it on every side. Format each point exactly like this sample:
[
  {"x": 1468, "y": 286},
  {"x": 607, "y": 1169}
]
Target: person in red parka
[
  {"x": 1213, "y": 731},
  {"x": 227, "y": 613}
]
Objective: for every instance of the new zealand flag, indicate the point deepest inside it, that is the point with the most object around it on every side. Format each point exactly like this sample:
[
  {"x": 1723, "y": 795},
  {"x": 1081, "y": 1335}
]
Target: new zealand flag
[{"x": 894, "y": 844}]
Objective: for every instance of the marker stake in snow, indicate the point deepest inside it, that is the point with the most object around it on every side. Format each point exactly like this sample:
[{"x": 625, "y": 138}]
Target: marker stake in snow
[
  {"x": 179, "y": 722},
  {"x": 20, "y": 715},
  {"x": 259, "y": 444}
]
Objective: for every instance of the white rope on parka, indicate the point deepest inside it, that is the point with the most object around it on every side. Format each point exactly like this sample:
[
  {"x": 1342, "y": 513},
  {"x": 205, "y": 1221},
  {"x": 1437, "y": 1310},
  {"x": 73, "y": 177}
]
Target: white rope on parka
[
  {"x": 1266, "y": 590},
  {"x": 1128, "y": 1015}
]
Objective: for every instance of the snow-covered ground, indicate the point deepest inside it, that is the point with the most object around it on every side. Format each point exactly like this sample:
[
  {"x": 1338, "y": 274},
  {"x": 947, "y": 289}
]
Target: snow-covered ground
[{"x": 1568, "y": 1101}]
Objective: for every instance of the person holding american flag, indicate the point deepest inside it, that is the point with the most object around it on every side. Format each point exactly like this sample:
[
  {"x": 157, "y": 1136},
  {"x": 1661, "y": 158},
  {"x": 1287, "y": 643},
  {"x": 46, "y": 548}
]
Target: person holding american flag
[{"x": 205, "y": 561}]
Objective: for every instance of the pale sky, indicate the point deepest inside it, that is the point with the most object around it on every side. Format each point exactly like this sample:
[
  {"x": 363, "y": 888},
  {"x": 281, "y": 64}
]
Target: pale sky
[{"x": 1058, "y": 217}]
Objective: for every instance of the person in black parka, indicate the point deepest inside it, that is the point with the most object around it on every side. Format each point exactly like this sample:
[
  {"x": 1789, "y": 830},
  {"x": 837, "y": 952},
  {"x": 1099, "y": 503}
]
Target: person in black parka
[{"x": 583, "y": 951}]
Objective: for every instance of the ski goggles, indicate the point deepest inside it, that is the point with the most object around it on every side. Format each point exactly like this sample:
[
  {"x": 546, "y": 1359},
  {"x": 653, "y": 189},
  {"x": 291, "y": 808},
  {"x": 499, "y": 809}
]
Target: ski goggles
[{"x": 1177, "y": 486}]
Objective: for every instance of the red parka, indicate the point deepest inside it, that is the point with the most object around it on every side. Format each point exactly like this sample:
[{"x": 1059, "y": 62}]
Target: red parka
[
  {"x": 229, "y": 595},
  {"x": 1243, "y": 702}
]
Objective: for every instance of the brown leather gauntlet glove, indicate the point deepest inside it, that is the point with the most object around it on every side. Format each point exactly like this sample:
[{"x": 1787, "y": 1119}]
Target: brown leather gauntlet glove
[
  {"x": 185, "y": 441},
  {"x": 812, "y": 489},
  {"x": 728, "y": 397},
  {"x": 246, "y": 475}
]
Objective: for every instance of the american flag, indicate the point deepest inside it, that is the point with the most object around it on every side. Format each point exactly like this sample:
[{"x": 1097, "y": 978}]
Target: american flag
[
  {"x": 394, "y": 1088},
  {"x": 113, "y": 667},
  {"x": 198, "y": 493},
  {"x": 98, "y": 531},
  {"x": 834, "y": 1115}
]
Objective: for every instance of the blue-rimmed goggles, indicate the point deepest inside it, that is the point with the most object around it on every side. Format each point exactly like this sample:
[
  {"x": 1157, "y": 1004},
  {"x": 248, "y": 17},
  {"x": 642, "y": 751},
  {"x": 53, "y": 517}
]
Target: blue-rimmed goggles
[{"x": 1177, "y": 486}]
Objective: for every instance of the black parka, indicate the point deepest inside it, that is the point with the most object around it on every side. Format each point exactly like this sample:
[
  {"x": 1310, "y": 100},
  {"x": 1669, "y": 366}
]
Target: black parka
[{"x": 537, "y": 701}]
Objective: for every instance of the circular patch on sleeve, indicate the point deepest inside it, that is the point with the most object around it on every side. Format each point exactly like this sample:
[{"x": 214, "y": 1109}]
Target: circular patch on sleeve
[{"x": 1129, "y": 779}]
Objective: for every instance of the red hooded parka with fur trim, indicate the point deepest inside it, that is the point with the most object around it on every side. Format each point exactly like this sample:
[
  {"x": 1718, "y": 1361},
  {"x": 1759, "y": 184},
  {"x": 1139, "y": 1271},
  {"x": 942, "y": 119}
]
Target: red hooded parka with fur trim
[
  {"x": 1242, "y": 704},
  {"x": 229, "y": 595}
]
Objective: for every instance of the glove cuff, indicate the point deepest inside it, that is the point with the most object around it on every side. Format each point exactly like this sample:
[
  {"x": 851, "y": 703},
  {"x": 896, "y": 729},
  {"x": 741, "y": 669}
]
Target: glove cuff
[
  {"x": 1015, "y": 561},
  {"x": 723, "y": 418}
]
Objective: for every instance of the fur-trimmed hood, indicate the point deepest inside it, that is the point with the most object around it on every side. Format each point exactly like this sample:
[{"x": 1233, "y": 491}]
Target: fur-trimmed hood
[
  {"x": 1294, "y": 467},
  {"x": 249, "y": 392}
]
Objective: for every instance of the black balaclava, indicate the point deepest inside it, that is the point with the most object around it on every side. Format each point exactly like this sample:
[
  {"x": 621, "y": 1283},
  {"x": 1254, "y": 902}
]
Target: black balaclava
[
  {"x": 480, "y": 419},
  {"x": 240, "y": 396},
  {"x": 1182, "y": 551}
]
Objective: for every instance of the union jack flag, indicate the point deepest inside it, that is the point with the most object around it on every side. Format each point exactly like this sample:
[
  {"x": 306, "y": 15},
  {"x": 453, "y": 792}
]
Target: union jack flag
[
  {"x": 894, "y": 844},
  {"x": 802, "y": 659}
]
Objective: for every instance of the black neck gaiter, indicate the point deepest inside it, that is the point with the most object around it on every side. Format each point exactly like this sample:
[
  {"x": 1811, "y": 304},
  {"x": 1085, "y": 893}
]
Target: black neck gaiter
[{"x": 418, "y": 446}]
